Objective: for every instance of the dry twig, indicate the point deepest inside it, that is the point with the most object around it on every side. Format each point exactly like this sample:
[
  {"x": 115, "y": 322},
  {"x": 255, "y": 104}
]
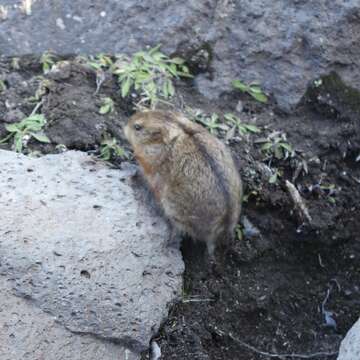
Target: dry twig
[
  {"x": 299, "y": 204},
  {"x": 274, "y": 355}
]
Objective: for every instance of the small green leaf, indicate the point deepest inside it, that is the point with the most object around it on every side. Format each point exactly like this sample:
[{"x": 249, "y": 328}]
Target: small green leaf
[
  {"x": 105, "y": 153},
  {"x": 239, "y": 85},
  {"x": 259, "y": 97},
  {"x": 287, "y": 147},
  {"x": 13, "y": 128},
  {"x": 2, "y": 86},
  {"x": 273, "y": 178},
  {"x": 107, "y": 106},
  {"x": 239, "y": 232},
  {"x": 278, "y": 152},
  {"x": 119, "y": 151},
  {"x": 173, "y": 70},
  {"x": 177, "y": 61},
  {"x": 95, "y": 65},
  {"x": 232, "y": 118},
  {"x": 105, "y": 109},
  {"x": 41, "y": 137},
  {"x": 165, "y": 90},
  {"x": 6, "y": 138},
  {"x": 266, "y": 146},
  {"x": 18, "y": 143},
  {"x": 332, "y": 200},
  {"x": 252, "y": 128},
  {"x": 125, "y": 87},
  {"x": 46, "y": 68},
  {"x": 256, "y": 89},
  {"x": 153, "y": 50},
  {"x": 151, "y": 87},
  {"x": 242, "y": 129}
]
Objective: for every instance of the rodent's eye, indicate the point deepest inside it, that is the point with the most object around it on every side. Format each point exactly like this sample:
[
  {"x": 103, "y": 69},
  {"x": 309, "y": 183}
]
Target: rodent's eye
[{"x": 137, "y": 127}]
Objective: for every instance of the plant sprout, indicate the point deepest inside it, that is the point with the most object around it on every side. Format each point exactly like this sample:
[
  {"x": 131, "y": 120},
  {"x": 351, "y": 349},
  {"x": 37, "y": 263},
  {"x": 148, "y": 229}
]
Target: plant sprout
[
  {"x": 109, "y": 149},
  {"x": 236, "y": 124},
  {"x": 276, "y": 145},
  {"x": 107, "y": 106},
  {"x": 253, "y": 89},
  {"x": 47, "y": 61},
  {"x": 23, "y": 131},
  {"x": 150, "y": 74}
]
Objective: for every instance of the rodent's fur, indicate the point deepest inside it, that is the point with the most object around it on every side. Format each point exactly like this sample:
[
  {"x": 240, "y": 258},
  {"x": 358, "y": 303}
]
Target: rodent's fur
[{"x": 191, "y": 173}]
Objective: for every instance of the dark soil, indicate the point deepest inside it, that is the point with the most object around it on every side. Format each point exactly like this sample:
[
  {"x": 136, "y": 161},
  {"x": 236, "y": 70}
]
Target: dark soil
[{"x": 270, "y": 290}]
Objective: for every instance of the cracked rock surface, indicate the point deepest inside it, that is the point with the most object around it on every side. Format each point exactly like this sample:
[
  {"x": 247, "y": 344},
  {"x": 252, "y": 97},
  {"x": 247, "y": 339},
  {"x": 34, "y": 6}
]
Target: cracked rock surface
[{"x": 77, "y": 244}]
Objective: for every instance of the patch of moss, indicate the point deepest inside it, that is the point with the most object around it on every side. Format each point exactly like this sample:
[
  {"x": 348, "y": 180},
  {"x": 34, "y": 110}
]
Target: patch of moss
[{"x": 331, "y": 96}]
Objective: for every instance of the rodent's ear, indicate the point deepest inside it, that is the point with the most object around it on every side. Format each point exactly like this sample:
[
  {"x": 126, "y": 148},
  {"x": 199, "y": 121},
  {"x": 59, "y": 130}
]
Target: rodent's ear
[{"x": 170, "y": 135}]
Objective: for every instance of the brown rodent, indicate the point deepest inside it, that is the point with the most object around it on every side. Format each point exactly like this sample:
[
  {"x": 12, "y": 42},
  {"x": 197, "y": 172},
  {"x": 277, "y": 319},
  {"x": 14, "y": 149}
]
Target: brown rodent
[{"x": 191, "y": 173}]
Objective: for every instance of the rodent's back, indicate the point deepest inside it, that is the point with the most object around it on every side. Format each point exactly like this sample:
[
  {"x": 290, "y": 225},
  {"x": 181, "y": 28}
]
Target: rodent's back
[{"x": 205, "y": 176}]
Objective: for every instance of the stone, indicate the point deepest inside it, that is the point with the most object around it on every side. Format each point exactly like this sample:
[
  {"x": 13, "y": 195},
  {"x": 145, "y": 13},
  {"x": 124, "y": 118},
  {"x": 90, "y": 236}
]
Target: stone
[
  {"x": 350, "y": 346},
  {"x": 27, "y": 333},
  {"x": 285, "y": 46},
  {"x": 78, "y": 243}
]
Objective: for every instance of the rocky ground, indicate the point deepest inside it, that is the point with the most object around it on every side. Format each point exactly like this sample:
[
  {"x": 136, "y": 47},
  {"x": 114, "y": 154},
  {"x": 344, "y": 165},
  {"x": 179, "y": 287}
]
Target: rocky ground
[
  {"x": 283, "y": 46},
  {"x": 291, "y": 282}
]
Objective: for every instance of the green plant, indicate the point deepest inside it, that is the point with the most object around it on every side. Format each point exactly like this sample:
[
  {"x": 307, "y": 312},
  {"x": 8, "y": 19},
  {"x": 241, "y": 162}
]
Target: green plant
[
  {"x": 2, "y": 86},
  {"x": 61, "y": 148},
  {"x": 236, "y": 125},
  {"x": 239, "y": 232},
  {"x": 318, "y": 82},
  {"x": 109, "y": 149},
  {"x": 47, "y": 60},
  {"x": 107, "y": 106},
  {"x": 276, "y": 145},
  {"x": 15, "y": 63},
  {"x": 212, "y": 123},
  {"x": 252, "y": 193},
  {"x": 275, "y": 176},
  {"x": 330, "y": 191},
  {"x": 23, "y": 131},
  {"x": 150, "y": 73},
  {"x": 100, "y": 61},
  {"x": 41, "y": 90},
  {"x": 253, "y": 89}
]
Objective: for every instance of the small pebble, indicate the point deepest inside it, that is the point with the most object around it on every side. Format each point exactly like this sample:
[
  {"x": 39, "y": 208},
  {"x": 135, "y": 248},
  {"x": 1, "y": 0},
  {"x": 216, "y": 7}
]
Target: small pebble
[
  {"x": 240, "y": 106},
  {"x": 60, "y": 23}
]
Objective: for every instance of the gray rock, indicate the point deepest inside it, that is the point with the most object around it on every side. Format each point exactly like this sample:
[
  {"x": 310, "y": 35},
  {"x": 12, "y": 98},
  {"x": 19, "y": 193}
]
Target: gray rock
[
  {"x": 79, "y": 244},
  {"x": 350, "y": 346},
  {"x": 284, "y": 46},
  {"x": 27, "y": 333}
]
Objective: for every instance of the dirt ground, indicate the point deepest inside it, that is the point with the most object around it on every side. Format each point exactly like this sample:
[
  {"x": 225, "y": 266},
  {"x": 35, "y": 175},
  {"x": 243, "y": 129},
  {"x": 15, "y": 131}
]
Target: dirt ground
[{"x": 291, "y": 284}]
